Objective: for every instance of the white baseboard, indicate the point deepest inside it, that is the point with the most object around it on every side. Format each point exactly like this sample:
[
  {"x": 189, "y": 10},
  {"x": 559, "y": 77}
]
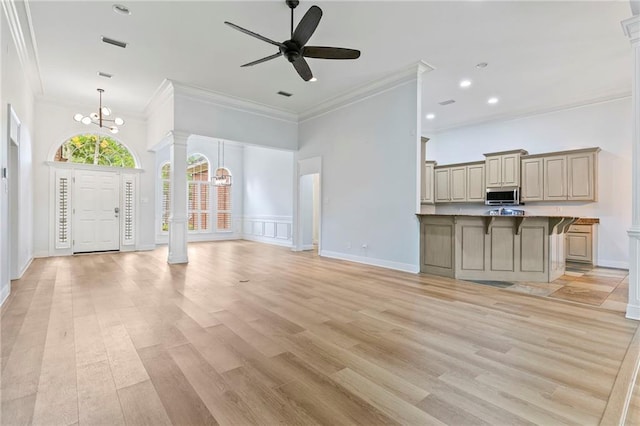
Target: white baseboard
[
  {"x": 613, "y": 264},
  {"x": 5, "y": 293},
  {"x": 307, "y": 247},
  {"x": 145, "y": 247},
  {"x": 24, "y": 268},
  {"x": 633, "y": 312},
  {"x": 40, "y": 254},
  {"x": 268, "y": 240},
  {"x": 405, "y": 267}
]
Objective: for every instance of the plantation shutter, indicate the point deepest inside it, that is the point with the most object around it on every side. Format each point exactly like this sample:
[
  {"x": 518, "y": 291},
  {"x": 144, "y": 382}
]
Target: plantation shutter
[
  {"x": 62, "y": 209},
  {"x": 128, "y": 209},
  {"x": 224, "y": 208}
]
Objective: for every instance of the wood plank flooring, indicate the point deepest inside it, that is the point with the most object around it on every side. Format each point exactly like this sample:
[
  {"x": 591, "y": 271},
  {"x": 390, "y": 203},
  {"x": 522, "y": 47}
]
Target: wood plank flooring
[{"x": 248, "y": 333}]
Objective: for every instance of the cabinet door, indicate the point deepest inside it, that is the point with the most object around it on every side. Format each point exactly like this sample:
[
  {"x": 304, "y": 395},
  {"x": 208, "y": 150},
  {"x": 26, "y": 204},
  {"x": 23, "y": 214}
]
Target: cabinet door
[
  {"x": 475, "y": 183},
  {"x": 443, "y": 194},
  {"x": 510, "y": 170},
  {"x": 427, "y": 184},
  {"x": 459, "y": 184},
  {"x": 555, "y": 178},
  {"x": 532, "y": 179},
  {"x": 579, "y": 247},
  {"x": 581, "y": 177},
  {"x": 493, "y": 172}
]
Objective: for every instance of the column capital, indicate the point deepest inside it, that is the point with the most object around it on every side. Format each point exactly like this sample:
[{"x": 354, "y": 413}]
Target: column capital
[
  {"x": 178, "y": 137},
  {"x": 631, "y": 28}
]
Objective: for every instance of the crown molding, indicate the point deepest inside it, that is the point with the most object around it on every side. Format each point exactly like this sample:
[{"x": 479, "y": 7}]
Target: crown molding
[
  {"x": 216, "y": 98},
  {"x": 527, "y": 113},
  {"x": 631, "y": 28},
  {"x": 412, "y": 72},
  {"x": 161, "y": 95},
  {"x": 20, "y": 25}
]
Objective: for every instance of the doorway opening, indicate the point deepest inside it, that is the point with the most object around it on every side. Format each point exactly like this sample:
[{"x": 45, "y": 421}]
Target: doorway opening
[{"x": 309, "y": 190}]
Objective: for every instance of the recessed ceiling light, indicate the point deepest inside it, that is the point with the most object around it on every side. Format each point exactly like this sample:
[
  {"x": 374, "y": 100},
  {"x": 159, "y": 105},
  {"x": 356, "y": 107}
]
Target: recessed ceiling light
[
  {"x": 482, "y": 65},
  {"x": 313, "y": 79},
  {"x": 465, "y": 83},
  {"x": 121, "y": 9},
  {"x": 430, "y": 116},
  {"x": 492, "y": 101}
]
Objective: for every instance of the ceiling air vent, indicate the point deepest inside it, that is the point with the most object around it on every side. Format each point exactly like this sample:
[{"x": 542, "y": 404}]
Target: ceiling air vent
[
  {"x": 105, "y": 74},
  {"x": 114, "y": 42},
  {"x": 286, "y": 94},
  {"x": 449, "y": 102}
]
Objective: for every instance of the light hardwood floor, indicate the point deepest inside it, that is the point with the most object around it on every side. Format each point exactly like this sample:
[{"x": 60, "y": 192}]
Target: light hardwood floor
[{"x": 248, "y": 333}]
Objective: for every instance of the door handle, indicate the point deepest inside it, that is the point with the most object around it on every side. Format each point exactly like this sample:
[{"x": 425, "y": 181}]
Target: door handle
[{"x": 116, "y": 210}]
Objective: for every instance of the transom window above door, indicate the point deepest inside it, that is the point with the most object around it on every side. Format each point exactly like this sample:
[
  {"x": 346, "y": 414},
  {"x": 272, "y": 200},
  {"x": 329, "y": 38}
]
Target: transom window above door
[{"x": 95, "y": 149}]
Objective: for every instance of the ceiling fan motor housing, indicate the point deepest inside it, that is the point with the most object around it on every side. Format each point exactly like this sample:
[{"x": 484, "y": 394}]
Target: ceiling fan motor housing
[{"x": 291, "y": 50}]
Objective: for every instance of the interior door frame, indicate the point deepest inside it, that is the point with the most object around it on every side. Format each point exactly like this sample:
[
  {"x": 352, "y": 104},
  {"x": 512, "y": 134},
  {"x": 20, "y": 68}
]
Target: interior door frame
[
  {"x": 13, "y": 177},
  {"x": 308, "y": 166}
]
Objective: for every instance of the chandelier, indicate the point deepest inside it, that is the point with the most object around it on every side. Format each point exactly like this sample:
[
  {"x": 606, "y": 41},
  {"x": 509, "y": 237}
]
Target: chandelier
[
  {"x": 99, "y": 118},
  {"x": 221, "y": 177}
]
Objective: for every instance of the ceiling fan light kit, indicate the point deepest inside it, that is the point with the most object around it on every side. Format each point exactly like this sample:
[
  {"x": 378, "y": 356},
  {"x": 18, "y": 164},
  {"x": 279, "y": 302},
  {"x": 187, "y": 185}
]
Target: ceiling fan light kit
[{"x": 295, "y": 49}]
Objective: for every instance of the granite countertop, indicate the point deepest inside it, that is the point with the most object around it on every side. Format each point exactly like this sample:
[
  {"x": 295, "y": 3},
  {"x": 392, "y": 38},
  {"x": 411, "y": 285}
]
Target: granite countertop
[{"x": 587, "y": 221}]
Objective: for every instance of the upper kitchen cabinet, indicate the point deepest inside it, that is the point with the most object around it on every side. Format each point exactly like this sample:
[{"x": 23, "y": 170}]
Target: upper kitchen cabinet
[
  {"x": 503, "y": 168},
  {"x": 459, "y": 183},
  {"x": 560, "y": 176},
  {"x": 427, "y": 190}
]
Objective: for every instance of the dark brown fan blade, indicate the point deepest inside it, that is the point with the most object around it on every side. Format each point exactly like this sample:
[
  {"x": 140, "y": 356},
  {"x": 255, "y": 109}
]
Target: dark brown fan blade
[
  {"x": 259, "y": 61},
  {"x": 307, "y": 25},
  {"x": 303, "y": 68},
  {"x": 252, "y": 34},
  {"x": 322, "y": 52}
]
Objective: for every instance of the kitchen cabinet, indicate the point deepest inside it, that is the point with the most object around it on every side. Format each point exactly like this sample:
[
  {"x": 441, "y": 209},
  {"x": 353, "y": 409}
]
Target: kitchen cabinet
[
  {"x": 532, "y": 170},
  {"x": 560, "y": 176},
  {"x": 503, "y": 168},
  {"x": 459, "y": 183},
  {"x": 579, "y": 243},
  {"x": 427, "y": 189}
]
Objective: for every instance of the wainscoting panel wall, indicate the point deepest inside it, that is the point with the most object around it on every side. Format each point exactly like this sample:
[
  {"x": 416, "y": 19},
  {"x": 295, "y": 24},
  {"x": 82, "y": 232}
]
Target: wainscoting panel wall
[{"x": 268, "y": 229}]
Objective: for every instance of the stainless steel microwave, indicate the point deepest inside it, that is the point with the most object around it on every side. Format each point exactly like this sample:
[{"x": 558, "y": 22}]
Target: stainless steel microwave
[{"x": 506, "y": 196}]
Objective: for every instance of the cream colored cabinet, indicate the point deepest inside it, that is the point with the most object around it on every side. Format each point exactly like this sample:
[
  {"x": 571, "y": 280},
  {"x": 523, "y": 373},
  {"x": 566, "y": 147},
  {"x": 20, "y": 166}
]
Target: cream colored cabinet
[
  {"x": 581, "y": 176},
  {"x": 532, "y": 170},
  {"x": 555, "y": 178},
  {"x": 475, "y": 182},
  {"x": 427, "y": 189},
  {"x": 442, "y": 185},
  {"x": 503, "y": 168},
  {"x": 459, "y": 183},
  {"x": 579, "y": 243}
]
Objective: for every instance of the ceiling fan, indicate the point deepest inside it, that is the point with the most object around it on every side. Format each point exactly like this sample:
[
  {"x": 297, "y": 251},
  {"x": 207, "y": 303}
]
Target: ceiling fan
[{"x": 294, "y": 49}]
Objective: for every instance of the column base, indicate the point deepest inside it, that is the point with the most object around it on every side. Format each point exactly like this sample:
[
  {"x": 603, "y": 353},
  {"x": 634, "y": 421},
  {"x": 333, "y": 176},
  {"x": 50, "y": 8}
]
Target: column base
[
  {"x": 633, "y": 304},
  {"x": 177, "y": 241}
]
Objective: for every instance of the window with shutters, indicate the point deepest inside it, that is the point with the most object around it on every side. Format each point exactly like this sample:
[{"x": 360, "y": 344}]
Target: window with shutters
[
  {"x": 223, "y": 203},
  {"x": 198, "y": 209},
  {"x": 165, "y": 196}
]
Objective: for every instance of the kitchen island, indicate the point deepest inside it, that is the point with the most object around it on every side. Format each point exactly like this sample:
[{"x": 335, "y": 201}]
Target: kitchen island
[{"x": 493, "y": 247}]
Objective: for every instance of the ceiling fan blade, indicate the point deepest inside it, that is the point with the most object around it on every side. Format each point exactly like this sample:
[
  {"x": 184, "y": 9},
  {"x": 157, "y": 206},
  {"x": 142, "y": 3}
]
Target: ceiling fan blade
[
  {"x": 252, "y": 34},
  {"x": 322, "y": 52},
  {"x": 303, "y": 68},
  {"x": 259, "y": 61},
  {"x": 307, "y": 25}
]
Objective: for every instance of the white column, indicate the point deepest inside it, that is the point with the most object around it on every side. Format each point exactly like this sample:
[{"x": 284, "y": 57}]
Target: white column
[
  {"x": 632, "y": 30},
  {"x": 178, "y": 215}
]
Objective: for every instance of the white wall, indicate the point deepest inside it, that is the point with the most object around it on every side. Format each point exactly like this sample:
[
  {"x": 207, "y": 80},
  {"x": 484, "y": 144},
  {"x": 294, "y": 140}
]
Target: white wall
[
  {"x": 268, "y": 195},
  {"x": 55, "y": 125},
  {"x": 15, "y": 90},
  {"x": 369, "y": 153},
  {"x": 200, "y": 117},
  {"x": 605, "y": 125},
  {"x": 233, "y": 160}
]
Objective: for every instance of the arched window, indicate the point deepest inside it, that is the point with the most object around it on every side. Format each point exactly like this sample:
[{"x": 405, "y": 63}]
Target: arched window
[
  {"x": 95, "y": 149},
  {"x": 198, "y": 190},
  {"x": 222, "y": 184}
]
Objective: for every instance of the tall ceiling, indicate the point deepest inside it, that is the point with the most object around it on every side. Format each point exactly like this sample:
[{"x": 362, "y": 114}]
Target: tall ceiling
[{"x": 540, "y": 55}]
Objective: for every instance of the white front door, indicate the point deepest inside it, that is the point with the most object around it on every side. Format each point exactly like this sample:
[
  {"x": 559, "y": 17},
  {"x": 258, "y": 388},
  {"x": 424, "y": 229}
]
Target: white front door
[{"x": 96, "y": 205}]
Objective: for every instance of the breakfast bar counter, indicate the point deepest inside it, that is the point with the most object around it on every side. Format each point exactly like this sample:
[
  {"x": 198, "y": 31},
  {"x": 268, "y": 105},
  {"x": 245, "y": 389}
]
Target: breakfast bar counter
[{"x": 493, "y": 247}]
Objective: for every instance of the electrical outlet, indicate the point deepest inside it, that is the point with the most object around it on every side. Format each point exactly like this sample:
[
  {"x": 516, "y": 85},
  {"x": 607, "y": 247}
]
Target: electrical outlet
[{"x": 364, "y": 245}]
